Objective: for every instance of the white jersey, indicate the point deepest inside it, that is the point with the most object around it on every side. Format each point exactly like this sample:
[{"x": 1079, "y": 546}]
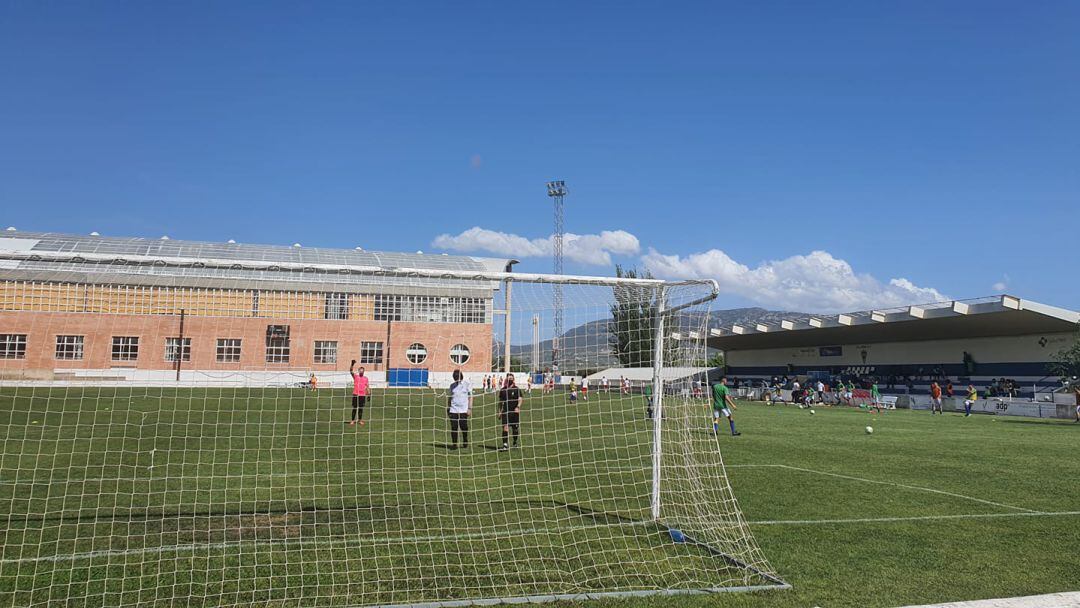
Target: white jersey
[{"x": 460, "y": 396}]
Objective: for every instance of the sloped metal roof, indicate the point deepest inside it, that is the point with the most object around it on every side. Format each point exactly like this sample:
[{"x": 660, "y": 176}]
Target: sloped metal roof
[
  {"x": 991, "y": 316},
  {"x": 47, "y": 256}
]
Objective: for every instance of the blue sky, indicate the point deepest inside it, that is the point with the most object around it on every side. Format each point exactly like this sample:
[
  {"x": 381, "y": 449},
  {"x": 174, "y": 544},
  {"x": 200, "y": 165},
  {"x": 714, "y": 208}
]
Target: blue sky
[{"x": 813, "y": 156}]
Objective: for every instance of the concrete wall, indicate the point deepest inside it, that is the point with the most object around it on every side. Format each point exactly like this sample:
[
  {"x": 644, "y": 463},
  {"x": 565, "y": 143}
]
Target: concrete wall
[{"x": 1025, "y": 355}]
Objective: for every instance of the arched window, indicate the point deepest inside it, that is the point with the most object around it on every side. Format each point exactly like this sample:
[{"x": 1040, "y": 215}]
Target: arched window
[
  {"x": 459, "y": 354},
  {"x": 416, "y": 353}
]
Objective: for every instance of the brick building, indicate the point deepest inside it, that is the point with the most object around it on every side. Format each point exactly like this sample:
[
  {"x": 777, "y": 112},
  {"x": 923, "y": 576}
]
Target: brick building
[{"x": 82, "y": 309}]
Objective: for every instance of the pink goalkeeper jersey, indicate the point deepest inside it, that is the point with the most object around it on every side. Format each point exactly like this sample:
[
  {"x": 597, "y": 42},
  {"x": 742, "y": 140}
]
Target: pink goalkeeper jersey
[{"x": 359, "y": 385}]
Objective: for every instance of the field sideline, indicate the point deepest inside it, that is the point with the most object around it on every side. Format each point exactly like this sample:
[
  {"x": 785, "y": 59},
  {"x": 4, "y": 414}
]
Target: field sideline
[{"x": 927, "y": 509}]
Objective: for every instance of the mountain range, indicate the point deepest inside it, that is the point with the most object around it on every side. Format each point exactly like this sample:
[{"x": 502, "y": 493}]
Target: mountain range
[{"x": 586, "y": 346}]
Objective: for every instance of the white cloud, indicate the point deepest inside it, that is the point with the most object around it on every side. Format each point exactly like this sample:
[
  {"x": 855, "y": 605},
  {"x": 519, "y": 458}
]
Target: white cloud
[
  {"x": 999, "y": 286},
  {"x": 816, "y": 282},
  {"x": 594, "y": 249}
]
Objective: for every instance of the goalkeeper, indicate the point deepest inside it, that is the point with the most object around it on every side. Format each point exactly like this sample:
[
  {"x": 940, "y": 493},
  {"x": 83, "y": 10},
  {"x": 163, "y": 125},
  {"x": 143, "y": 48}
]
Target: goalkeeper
[
  {"x": 723, "y": 404},
  {"x": 509, "y": 409}
]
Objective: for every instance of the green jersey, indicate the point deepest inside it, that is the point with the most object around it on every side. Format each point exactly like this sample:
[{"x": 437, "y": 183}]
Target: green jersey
[
  {"x": 874, "y": 392},
  {"x": 719, "y": 396}
]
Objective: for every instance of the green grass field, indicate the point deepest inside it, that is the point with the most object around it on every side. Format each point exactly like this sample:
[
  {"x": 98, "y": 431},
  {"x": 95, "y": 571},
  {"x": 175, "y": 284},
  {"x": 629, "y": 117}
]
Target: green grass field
[{"x": 214, "y": 497}]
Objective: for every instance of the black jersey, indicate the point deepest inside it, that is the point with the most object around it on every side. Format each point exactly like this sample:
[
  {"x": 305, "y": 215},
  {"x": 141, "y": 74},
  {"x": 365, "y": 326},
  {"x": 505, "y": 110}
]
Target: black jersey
[{"x": 508, "y": 398}]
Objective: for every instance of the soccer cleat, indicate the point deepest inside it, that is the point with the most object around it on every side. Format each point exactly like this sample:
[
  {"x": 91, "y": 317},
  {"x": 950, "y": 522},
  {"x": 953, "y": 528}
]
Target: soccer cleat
[
  {"x": 452, "y": 447},
  {"x": 352, "y": 423},
  {"x": 736, "y": 434},
  {"x": 362, "y": 423},
  {"x": 504, "y": 447}
]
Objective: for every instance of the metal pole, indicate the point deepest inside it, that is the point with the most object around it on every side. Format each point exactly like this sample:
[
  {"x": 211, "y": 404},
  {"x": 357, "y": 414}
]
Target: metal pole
[
  {"x": 506, "y": 317},
  {"x": 506, "y": 329},
  {"x": 658, "y": 399},
  {"x": 536, "y": 364},
  {"x": 180, "y": 347}
]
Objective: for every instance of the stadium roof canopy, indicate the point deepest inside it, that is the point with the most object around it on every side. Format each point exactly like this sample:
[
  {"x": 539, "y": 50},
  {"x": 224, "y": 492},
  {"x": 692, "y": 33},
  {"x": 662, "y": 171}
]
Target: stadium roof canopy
[
  {"x": 1002, "y": 315},
  {"x": 53, "y": 257}
]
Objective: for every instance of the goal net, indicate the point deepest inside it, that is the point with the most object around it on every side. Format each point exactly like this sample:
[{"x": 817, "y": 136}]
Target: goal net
[{"x": 199, "y": 443}]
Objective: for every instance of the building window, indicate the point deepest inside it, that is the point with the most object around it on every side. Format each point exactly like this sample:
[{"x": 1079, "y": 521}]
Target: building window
[
  {"x": 69, "y": 348},
  {"x": 177, "y": 349},
  {"x": 459, "y": 354},
  {"x": 228, "y": 350},
  {"x": 12, "y": 346},
  {"x": 416, "y": 353},
  {"x": 125, "y": 348},
  {"x": 387, "y": 308},
  {"x": 277, "y": 344},
  {"x": 325, "y": 351},
  {"x": 370, "y": 353},
  {"x": 337, "y": 306}
]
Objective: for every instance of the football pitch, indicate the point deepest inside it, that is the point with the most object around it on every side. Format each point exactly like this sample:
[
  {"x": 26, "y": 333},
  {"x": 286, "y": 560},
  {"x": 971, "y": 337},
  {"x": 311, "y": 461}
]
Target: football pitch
[{"x": 926, "y": 509}]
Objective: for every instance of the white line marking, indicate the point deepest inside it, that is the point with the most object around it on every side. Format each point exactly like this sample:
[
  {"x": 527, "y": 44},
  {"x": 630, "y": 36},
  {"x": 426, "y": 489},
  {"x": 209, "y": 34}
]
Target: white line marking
[
  {"x": 909, "y": 487},
  {"x": 869, "y": 520},
  {"x": 1068, "y": 599}
]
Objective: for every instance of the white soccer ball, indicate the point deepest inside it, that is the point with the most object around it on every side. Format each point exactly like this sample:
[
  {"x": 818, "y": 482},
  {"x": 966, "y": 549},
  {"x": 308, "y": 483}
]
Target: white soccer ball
[
  {"x": 812, "y": 411},
  {"x": 869, "y": 430},
  {"x": 800, "y": 406}
]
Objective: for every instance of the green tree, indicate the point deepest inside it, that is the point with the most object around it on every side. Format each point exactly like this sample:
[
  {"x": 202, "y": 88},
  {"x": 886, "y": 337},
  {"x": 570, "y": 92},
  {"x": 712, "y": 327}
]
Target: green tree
[
  {"x": 1066, "y": 362},
  {"x": 632, "y": 328},
  {"x": 717, "y": 360}
]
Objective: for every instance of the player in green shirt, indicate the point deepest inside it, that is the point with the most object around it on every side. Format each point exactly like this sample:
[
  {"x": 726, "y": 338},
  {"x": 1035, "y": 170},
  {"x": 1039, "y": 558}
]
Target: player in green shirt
[
  {"x": 721, "y": 402},
  {"x": 875, "y": 398}
]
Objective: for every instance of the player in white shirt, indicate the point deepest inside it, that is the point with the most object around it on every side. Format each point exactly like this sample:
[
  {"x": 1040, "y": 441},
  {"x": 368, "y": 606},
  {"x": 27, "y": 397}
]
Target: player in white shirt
[{"x": 459, "y": 408}]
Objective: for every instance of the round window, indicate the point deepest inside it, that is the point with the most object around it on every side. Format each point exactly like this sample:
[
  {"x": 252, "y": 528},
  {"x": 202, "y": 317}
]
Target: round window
[
  {"x": 459, "y": 354},
  {"x": 416, "y": 353}
]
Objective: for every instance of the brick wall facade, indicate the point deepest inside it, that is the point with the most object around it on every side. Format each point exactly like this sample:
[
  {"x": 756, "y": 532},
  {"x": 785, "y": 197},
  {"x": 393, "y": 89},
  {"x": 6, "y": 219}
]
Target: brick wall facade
[{"x": 41, "y": 329}]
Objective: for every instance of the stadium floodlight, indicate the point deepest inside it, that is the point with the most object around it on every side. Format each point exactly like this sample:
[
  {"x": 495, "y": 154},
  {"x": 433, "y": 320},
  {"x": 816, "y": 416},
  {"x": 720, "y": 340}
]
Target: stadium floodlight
[{"x": 556, "y": 189}]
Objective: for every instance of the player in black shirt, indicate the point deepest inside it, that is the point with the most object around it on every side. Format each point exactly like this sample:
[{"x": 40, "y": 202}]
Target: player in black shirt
[{"x": 509, "y": 405}]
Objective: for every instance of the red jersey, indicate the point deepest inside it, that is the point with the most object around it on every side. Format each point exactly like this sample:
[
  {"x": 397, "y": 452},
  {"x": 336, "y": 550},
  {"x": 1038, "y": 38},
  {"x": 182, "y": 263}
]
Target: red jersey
[{"x": 359, "y": 385}]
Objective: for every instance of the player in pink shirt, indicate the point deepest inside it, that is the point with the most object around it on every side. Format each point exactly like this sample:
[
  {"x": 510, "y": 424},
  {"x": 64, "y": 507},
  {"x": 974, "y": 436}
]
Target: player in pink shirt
[{"x": 359, "y": 394}]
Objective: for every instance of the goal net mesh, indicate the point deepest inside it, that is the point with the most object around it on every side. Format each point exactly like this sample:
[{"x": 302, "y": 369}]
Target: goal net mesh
[{"x": 193, "y": 445}]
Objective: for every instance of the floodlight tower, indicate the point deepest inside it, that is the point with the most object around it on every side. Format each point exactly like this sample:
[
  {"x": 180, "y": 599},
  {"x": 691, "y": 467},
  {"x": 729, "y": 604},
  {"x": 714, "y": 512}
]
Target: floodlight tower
[{"x": 557, "y": 191}]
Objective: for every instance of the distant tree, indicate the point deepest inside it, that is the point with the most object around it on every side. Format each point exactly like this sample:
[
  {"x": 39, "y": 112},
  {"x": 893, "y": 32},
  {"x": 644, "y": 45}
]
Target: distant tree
[
  {"x": 717, "y": 360},
  {"x": 632, "y": 328},
  {"x": 1066, "y": 362}
]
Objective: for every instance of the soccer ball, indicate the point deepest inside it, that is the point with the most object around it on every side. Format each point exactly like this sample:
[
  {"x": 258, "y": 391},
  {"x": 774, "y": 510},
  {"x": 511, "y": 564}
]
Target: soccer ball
[
  {"x": 811, "y": 411},
  {"x": 869, "y": 430},
  {"x": 800, "y": 406}
]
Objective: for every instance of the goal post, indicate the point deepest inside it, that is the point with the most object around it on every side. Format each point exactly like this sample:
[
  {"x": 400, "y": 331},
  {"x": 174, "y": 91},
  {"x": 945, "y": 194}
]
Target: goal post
[{"x": 228, "y": 463}]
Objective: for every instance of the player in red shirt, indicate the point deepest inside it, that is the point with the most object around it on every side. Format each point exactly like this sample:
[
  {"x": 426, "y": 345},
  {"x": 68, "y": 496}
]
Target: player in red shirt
[{"x": 359, "y": 394}]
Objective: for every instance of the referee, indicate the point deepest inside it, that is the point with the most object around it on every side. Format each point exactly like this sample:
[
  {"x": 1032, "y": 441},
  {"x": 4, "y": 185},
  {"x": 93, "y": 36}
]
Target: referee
[
  {"x": 459, "y": 407},
  {"x": 509, "y": 406}
]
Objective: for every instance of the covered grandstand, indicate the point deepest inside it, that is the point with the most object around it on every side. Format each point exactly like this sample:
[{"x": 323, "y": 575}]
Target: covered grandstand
[{"x": 980, "y": 341}]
